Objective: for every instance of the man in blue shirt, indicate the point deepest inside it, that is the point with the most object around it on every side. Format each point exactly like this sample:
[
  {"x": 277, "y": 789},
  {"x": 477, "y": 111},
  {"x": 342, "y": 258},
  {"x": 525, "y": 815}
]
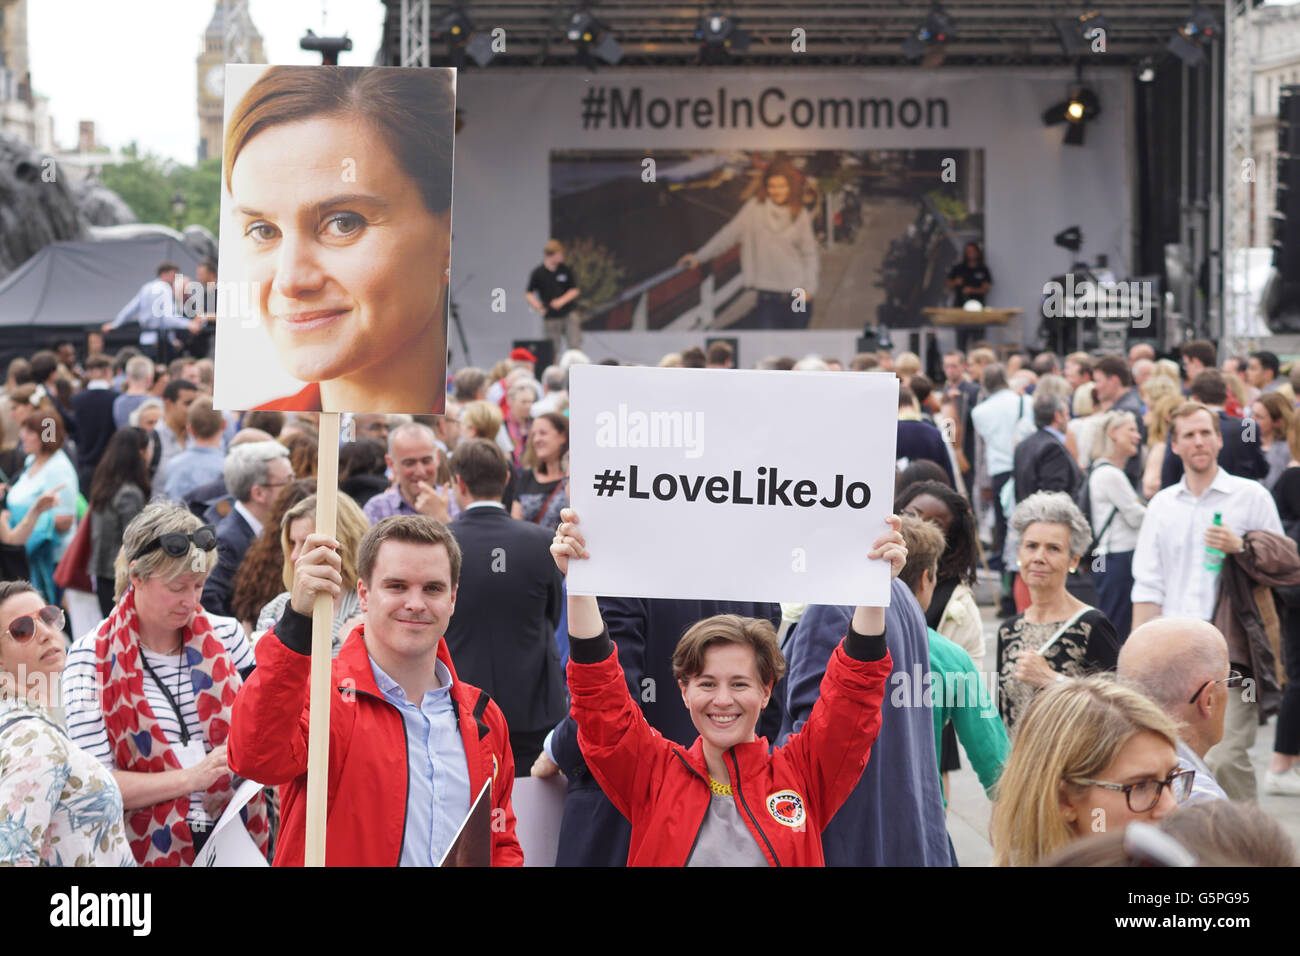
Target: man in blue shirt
[
  {"x": 154, "y": 307},
  {"x": 203, "y": 461}
]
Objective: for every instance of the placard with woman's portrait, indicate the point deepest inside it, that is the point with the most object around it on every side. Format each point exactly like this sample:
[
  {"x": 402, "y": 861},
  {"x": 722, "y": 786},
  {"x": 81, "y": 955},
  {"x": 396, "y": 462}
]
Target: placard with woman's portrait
[{"x": 335, "y": 248}]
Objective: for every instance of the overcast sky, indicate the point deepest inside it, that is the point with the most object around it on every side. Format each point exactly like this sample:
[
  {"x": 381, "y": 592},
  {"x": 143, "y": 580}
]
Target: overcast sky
[{"x": 129, "y": 65}]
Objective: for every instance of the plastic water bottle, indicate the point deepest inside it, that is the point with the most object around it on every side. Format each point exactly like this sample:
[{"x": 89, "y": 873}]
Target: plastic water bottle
[{"x": 1213, "y": 556}]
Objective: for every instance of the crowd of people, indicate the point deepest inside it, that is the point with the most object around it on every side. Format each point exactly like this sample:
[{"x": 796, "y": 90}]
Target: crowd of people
[{"x": 1133, "y": 521}]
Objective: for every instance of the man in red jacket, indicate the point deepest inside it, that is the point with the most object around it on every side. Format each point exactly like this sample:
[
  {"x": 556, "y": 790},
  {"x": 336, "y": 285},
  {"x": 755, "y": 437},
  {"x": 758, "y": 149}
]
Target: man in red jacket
[{"x": 411, "y": 745}]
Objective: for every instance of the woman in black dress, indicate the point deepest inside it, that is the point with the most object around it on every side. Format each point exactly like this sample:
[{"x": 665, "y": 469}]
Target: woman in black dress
[
  {"x": 1057, "y": 636},
  {"x": 543, "y": 485}
]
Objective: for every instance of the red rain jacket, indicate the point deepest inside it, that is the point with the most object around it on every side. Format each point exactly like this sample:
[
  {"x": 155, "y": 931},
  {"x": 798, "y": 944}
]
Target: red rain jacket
[
  {"x": 785, "y": 797},
  {"x": 366, "y": 802}
]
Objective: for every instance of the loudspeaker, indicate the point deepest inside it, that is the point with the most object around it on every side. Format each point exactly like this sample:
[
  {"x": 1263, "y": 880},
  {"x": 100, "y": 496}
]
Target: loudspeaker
[{"x": 1286, "y": 219}]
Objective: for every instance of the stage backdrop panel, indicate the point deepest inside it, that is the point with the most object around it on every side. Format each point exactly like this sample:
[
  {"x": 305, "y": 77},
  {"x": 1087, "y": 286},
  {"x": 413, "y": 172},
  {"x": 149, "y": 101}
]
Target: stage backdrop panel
[
  {"x": 709, "y": 483},
  {"x": 335, "y": 239},
  {"x": 562, "y": 152}
]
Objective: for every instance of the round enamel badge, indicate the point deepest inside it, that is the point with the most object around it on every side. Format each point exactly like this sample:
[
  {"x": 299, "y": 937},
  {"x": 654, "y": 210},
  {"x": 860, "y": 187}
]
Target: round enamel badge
[{"x": 786, "y": 808}]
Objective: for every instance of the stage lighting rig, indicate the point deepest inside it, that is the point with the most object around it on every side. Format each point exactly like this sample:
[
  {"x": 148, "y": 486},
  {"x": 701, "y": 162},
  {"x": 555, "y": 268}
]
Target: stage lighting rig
[
  {"x": 463, "y": 38},
  {"x": 926, "y": 42},
  {"x": 591, "y": 37},
  {"x": 1075, "y": 112},
  {"x": 1189, "y": 41},
  {"x": 329, "y": 48},
  {"x": 720, "y": 36},
  {"x": 1077, "y": 33}
]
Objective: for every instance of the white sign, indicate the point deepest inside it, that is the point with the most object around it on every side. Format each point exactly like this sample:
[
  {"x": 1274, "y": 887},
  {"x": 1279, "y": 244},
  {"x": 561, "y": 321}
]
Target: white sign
[
  {"x": 538, "y": 803},
  {"x": 732, "y": 485},
  {"x": 229, "y": 843}
]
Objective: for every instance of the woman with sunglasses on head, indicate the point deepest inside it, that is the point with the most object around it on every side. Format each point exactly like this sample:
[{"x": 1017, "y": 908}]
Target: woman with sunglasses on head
[
  {"x": 1090, "y": 755},
  {"x": 148, "y": 691},
  {"x": 58, "y": 805}
]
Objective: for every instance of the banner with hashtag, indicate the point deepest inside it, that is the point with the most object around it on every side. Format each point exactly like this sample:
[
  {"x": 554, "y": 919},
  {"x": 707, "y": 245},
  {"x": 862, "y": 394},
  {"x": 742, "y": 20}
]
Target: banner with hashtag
[{"x": 732, "y": 485}]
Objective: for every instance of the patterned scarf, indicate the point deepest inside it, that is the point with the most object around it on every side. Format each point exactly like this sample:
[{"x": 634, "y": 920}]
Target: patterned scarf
[{"x": 159, "y": 834}]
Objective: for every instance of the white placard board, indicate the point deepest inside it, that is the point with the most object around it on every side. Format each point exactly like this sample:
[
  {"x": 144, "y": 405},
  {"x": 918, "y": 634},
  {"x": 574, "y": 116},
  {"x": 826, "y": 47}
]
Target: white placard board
[
  {"x": 538, "y": 803},
  {"x": 687, "y": 506}
]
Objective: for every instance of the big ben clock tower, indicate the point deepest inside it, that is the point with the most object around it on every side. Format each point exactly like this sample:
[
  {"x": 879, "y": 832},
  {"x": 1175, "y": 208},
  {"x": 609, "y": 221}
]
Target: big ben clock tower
[{"x": 229, "y": 38}]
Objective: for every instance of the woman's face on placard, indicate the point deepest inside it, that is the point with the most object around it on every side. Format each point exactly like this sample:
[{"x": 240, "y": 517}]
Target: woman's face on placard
[{"x": 348, "y": 262}]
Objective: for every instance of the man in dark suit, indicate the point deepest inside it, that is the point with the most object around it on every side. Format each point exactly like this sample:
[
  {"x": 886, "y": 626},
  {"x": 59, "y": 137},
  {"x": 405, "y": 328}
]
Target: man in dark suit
[
  {"x": 93, "y": 408},
  {"x": 502, "y": 634},
  {"x": 1042, "y": 462},
  {"x": 1240, "y": 454},
  {"x": 646, "y": 631},
  {"x": 255, "y": 473},
  {"x": 919, "y": 439}
]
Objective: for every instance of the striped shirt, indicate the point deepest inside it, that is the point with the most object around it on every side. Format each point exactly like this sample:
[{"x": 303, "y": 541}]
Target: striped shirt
[{"x": 85, "y": 718}]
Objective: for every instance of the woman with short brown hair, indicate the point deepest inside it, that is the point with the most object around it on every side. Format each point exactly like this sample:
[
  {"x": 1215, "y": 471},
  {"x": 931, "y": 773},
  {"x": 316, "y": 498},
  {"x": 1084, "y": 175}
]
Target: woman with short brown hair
[{"x": 727, "y": 800}]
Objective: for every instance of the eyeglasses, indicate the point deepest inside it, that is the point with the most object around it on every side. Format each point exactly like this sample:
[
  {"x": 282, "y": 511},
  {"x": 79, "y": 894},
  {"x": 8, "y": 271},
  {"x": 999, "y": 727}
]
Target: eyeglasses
[
  {"x": 22, "y": 628},
  {"x": 177, "y": 544},
  {"x": 1145, "y": 794},
  {"x": 1232, "y": 680}
]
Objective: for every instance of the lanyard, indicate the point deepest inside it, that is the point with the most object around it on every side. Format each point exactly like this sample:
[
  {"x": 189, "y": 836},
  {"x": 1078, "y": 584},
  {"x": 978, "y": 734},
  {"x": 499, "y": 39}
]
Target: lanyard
[{"x": 180, "y": 719}]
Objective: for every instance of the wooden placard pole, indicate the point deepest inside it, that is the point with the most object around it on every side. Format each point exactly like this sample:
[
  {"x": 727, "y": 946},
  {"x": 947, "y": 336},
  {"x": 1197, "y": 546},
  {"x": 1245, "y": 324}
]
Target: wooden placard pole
[{"x": 322, "y": 622}]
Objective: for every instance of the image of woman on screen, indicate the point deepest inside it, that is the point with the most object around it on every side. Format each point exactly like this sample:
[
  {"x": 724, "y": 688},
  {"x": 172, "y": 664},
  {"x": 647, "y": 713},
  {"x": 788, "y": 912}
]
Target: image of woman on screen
[
  {"x": 778, "y": 253},
  {"x": 339, "y": 183}
]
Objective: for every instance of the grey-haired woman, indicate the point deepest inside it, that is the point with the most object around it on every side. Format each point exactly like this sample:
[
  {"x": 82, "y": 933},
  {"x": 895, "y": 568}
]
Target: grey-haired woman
[{"x": 1057, "y": 635}]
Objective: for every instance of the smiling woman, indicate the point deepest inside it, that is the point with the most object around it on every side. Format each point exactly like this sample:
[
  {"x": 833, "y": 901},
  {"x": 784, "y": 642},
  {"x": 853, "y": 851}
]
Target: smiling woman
[{"x": 338, "y": 217}]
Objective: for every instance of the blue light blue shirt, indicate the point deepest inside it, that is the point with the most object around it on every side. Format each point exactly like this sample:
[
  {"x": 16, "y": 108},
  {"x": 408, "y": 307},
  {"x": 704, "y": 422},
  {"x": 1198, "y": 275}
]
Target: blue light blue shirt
[
  {"x": 154, "y": 307},
  {"x": 437, "y": 794},
  {"x": 196, "y": 465},
  {"x": 1204, "y": 786}
]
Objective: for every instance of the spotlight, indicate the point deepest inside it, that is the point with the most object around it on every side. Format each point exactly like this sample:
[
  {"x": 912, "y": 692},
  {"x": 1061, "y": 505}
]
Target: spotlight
[
  {"x": 591, "y": 37},
  {"x": 1189, "y": 41},
  {"x": 463, "y": 38},
  {"x": 1075, "y": 112},
  {"x": 1146, "y": 72},
  {"x": 720, "y": 36},
  {"x": 1076, "y": 33},
  {"x": 926, "y": 41}
]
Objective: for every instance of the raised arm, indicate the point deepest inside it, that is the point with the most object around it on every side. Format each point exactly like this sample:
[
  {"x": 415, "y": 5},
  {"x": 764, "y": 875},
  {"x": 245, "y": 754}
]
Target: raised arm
[
  {"x": 269, "y": 719},
  {"x": 619, "y": 747}
]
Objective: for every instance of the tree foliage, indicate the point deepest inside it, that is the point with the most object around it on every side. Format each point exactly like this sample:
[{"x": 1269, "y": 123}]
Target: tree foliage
[{"x": 149, "y": 183}]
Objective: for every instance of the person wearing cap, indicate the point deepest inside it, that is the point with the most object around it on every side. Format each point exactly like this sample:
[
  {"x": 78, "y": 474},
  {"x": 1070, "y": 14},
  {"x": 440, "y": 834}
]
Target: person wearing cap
[{"x": 553, "y": 296}]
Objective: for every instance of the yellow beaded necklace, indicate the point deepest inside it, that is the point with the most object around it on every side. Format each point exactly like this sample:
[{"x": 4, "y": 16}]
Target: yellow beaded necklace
[{"x": 721, "y": 789}]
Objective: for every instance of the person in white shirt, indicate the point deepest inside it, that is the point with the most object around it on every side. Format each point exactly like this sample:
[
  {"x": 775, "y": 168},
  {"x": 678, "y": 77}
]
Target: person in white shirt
[
  {"x": 1170, "y": 577},
  {"x": 995, "y": 420},
  {"x": 154, "y": 307},
  {"x": 1116, "y": 517}
]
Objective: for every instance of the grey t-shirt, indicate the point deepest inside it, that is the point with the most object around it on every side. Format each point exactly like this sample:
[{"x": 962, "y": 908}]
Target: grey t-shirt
[{"x": 724, "y": 840}]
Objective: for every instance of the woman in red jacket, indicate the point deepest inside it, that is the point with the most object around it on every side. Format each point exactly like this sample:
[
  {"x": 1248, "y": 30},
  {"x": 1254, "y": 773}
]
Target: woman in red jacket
[{"x": 727, "y": 800}]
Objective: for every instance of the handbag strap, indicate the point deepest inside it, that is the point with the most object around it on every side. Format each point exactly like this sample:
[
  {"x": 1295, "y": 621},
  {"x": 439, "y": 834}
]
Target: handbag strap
[
  {"x": 1096, "y": 538},
  {"x": 547, "y": 503},
  {"x": 1065, "y": 627}
]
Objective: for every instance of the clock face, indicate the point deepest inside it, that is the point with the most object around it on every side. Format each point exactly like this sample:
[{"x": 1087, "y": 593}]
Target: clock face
[{"x": 215, "y": 81}]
